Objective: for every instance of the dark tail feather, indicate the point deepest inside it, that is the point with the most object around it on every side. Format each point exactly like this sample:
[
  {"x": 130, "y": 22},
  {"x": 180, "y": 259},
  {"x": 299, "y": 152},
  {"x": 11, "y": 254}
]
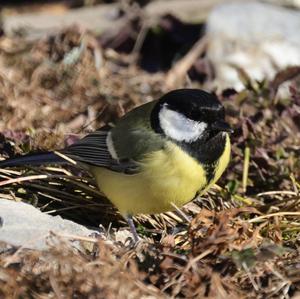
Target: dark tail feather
[{"x": 32, "y": 159}]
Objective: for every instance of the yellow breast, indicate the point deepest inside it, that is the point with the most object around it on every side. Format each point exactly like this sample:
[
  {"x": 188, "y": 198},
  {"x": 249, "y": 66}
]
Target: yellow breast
[{"x": 167, "y": 176}]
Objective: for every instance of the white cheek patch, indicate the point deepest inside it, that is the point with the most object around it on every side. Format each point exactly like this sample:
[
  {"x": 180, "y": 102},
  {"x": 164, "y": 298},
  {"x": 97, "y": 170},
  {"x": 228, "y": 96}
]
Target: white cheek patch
[{"x": 178, "y": 127}]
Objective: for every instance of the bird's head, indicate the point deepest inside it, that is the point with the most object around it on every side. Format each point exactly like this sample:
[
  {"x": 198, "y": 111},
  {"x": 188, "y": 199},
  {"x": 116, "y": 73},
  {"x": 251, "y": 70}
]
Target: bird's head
[{"x": 189, "y": 115}]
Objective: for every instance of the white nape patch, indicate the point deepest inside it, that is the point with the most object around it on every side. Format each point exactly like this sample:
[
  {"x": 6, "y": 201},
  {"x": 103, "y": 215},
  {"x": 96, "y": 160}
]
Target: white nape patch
[
  {"x": 178, "y": 127},
  {"x": 110, "y": 147}
]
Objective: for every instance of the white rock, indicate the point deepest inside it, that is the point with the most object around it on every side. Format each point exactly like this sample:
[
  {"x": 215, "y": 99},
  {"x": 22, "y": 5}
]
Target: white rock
[
  {"x": 258, "y": 37},
  {"x": 286, "y": 3},
  {"x": 102, "y": 17},
  {"x": 25, "y": 225}
]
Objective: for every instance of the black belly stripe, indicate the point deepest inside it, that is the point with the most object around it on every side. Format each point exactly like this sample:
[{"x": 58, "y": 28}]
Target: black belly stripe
[
  {"x": 210, "y": 174},
  {"x": 210, "y": 170}
]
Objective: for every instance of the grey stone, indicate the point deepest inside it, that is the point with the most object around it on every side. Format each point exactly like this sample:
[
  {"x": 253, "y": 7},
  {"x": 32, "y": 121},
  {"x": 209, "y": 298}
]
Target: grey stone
[
  {"x": 103, "y": 17},
  {"x": 26, "y": 226},
  {"x": 99, "y": 18},
  {"x": 260, "y": 38}
]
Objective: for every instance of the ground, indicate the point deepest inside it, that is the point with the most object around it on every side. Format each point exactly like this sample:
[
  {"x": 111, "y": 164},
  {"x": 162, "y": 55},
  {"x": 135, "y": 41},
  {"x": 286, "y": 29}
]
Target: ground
[{"x": 241, "y": 239}]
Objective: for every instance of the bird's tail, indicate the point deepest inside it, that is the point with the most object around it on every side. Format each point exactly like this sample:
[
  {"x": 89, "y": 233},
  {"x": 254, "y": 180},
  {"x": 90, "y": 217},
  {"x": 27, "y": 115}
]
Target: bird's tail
[{"x": 33, "y": 159}]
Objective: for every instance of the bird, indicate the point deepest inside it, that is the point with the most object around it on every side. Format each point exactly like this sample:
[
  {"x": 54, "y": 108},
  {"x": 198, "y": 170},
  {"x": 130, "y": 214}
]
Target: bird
[{"x": 158, "y": 156}]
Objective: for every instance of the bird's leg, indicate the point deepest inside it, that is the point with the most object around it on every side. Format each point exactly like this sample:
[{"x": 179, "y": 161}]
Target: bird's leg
[{"x": 132, "y": 228}]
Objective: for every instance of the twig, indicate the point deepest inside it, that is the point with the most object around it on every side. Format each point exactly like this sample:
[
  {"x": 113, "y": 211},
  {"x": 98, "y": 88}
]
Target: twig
[
  {"x": 178, "y": 72},
  {"x": 253, "y": 282},
  {"x": 246, "y": 168},
  {"x": 27, "y": 178},
  {"x": 198, "y": 258},
  {"x": 74, "y": 237},
  {"x": 181, "y": 213},
  {"x": 140, "y": 40},
  {"x": 257, "y": 219},
  {"x": 55, "y": 287},
  {"x": 65, "y": 158},
  {"x": 276, "y": 193}
]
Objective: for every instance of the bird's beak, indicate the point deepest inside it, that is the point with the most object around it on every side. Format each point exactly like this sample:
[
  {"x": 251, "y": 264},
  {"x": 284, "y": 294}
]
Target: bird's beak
[{"x": 221, "y": 126}]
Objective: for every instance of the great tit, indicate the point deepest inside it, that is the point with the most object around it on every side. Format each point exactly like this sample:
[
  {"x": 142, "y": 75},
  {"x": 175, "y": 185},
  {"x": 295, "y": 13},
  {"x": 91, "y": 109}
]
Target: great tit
[{"x": 159, "y": 155}]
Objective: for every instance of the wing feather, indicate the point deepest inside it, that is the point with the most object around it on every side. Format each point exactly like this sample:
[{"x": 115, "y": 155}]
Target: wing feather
[{"x": 93, "y": 150}]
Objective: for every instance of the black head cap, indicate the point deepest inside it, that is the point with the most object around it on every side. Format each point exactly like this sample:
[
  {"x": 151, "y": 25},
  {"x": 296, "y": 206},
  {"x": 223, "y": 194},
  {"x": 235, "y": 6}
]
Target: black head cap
[{"x": 195, "y": 104}]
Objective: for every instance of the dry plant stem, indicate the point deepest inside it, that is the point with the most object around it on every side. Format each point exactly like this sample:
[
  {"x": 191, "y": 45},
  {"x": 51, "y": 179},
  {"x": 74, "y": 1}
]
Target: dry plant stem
[
  {"x": 190, "y": 264},
  {"x": 65, "y": 158},
  {"x": 184, "y": 216},
  {"x": 23, "y": 179},
  {"x": 140, "y": 40},
  {"x": 72, "y": 208},
  {"x": 253, "y": 282},
  {"x": 177, "y": 74},
  {"x": 283, "y": 192},
  {"x": 75, "y": 237},
  {"x": 198, "y": 258},
  {"x": 259, "y": 218},
  {"x": 246, "y": 168}
]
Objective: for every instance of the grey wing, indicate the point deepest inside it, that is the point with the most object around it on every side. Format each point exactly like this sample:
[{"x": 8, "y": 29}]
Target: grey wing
[{"x": 93, "y": 150}]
